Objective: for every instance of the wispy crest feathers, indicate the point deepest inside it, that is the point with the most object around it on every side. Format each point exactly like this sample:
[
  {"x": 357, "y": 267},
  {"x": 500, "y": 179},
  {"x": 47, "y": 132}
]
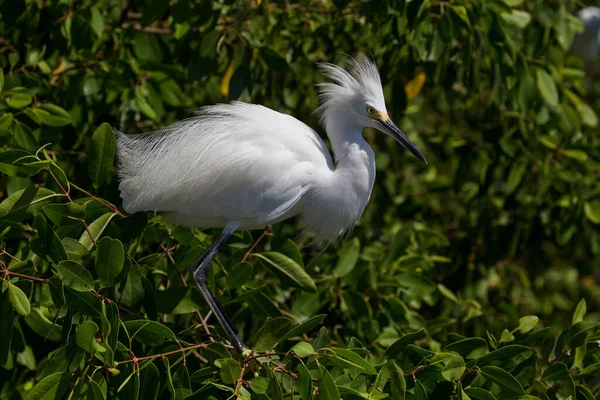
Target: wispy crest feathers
[{"x": 360, "y": 79}]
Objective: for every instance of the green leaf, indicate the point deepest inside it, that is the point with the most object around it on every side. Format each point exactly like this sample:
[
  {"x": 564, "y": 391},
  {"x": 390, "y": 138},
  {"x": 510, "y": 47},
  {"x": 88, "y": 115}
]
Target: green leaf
[
  {"x": 19, "y": 100},
  {"x": 588, "y": 115},
  {"x": 556, "y": 372},
  {"x": 304, "y": 382},
  {"x": 62, "y": 214},
  {"x": 469, "y": 348},
  {"x": 239, "y": 275},
  {"x": 65, "y": 359},
  {"x": 304, "y": 327},
  {"x": 146, "y": 47},
  {"x": 96, "y": 228},
  {"x": 288, "y": 270},
  {"x": 46, "y": 243},
  {"x": 149, "y": 382},
  {"x": 344, "y": 358},
  {"x": 230, "y": 371},
  {"x": 143, "y": 104},
  {"x": 454, "y": 368},
  {"x": 19, "y": 300},
  {"x": 515, "y": 352},
  {"x": 75, "y": 276},
  {"x": 518, "y": 18},
  {"x": 273, "y": 58},
  {"x": 9, "y": 160},
  {"x": 590, "y": 208},
  {"x": 84, "y": 302},
  {"x": 581, "y": 331},
  {"x": 52, "y": 115},
  {"x": 506, "y": 336},
  {"x": 6, "y": 326},
  {"x": 51, "y": 387},
  {"x": 447, "y": 293},
  {"x": 578, "y": 155},
  {"x": 479, "y": 394},
  {"x": 259, "y": 385},
  {"x": 527, "y": 323},
  {"x": 97, "y": 21},
  {"x": 347, "y": 258},
  {"x": 86, "y": 335},
  {"x": 24, "y": 137},
  {"x": 399, "y": 346},
  {"x": 579, "y": 312},
  {"x": 398, "y": 386},
  {"x": 515, "y": 176},
  {"x": 91, "y": 85},
  {"x": 75, "y": 250},
  {"x": 169, "y": 90},
  {"x": 132, "y": 290},
  {"x": 303, "y": 349},
  {"x": 462, "y": 13},
  {"x": 102, "y": 154},
  {"x": 6, "y": 120},
  {"x": 34, "y": 167},
  {"x": 271, "y": 333},
  {"x": 461, "y": 394},
  {"x": 23, "y": 203},
  {"x": 420, "y": 392},
  {"x": 94, "y": 391},
  {"x": 41, "y": 325},
  {"x": 110, "y": 259},
  {"x": 327, "y": 388},
  {"x": 507, "y": 383},
  {"x": 148, "y": 332},
  {"x": 547, "y": 87}
]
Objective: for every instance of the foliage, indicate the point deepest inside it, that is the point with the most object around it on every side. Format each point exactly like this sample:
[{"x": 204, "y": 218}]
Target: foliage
[{"x": 463, "y": 280}]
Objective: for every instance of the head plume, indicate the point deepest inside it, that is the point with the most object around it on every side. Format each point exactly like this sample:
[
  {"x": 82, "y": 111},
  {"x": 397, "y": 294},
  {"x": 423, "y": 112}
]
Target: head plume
[{"x": 360, "y": 81}]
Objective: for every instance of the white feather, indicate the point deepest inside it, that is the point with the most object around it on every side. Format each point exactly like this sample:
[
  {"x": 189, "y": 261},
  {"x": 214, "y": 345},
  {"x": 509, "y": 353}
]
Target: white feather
[{"x": 249, "y": 166}]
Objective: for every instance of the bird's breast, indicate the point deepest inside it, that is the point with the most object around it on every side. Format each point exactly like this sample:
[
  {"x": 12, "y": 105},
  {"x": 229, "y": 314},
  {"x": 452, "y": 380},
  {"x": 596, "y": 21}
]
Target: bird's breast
[{"x": 337, "y": 200}]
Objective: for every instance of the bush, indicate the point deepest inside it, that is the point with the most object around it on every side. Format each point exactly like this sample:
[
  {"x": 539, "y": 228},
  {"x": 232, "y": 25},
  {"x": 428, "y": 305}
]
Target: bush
[{"x": 472, "y": 278}]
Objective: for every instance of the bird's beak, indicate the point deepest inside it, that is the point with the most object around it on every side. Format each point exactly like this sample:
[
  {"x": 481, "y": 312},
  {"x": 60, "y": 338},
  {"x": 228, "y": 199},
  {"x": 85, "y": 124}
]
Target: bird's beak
[{"x": 388, "y": 126}]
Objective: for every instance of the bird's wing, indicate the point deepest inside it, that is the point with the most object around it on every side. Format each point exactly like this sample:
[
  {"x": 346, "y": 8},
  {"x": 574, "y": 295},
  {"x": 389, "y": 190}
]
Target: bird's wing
[{"x": 234, "y": 162}]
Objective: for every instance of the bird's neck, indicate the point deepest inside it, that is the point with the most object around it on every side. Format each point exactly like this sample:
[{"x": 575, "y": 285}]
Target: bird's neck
[
  {"x": 347, "y": 140},
  {"x": 355, "y": 160},
  {"x": 341, "y": 193}
]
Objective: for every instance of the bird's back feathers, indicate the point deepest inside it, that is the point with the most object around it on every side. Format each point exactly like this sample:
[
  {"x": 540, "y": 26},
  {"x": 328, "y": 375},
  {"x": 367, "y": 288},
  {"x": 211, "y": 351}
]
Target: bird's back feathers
[
  {"x": 249, "y": 165},
  {"x": 218, "y": 166}
]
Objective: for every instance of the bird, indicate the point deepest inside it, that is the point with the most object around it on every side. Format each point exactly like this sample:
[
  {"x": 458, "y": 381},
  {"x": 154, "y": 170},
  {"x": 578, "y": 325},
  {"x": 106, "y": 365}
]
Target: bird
[{"x": 242, "y": 166}]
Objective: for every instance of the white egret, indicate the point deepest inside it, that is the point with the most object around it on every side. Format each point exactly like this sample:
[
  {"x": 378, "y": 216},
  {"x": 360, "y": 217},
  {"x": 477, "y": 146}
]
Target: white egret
[{"x": 245, "y": 166}]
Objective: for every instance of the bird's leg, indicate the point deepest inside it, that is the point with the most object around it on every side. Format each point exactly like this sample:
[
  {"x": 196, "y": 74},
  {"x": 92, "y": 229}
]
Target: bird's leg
[{"x": 198, "y": 270}]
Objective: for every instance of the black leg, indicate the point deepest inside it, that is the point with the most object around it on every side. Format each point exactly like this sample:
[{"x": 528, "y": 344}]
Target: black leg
[{"x": 198, "y": 271}]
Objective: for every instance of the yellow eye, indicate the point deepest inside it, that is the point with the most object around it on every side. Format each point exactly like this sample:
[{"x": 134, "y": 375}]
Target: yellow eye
[{"x": 371, "y": 111}]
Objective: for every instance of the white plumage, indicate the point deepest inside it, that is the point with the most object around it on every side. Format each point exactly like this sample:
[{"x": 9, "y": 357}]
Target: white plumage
[
  {"x": 249, "y": 166},
  {"x": 244, "y": 166}
]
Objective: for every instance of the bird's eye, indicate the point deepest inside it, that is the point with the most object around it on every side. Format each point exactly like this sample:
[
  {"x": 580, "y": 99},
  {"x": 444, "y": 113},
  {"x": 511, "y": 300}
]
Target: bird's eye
[{"x": 371, "y": 110}]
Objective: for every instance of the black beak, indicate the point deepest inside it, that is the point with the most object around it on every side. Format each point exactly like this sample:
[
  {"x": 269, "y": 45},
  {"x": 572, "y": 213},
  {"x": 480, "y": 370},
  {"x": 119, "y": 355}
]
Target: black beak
[{"x": 390, "y": 128}]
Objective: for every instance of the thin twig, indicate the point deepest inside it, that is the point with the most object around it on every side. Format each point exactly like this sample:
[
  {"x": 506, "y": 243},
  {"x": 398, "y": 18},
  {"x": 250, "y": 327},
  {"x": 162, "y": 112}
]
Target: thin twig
[
  {"x": 167, "y": 251},
  {"x": 162, "y": 355},
  {"x": 267, "y": 232},
  {"x": 31, "y": 278}
]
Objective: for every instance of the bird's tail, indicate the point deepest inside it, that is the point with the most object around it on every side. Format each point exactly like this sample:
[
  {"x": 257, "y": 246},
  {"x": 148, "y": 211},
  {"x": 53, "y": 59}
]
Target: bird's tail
[{"x": 128, "y": 167}]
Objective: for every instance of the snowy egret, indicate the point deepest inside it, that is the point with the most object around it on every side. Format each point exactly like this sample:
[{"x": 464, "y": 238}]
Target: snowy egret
[{"x": 245, "y": 166}]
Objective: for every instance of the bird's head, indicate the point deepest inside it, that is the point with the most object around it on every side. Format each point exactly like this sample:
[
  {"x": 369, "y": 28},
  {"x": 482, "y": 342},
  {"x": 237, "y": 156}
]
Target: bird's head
[{"x": 359, "y": 92}]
